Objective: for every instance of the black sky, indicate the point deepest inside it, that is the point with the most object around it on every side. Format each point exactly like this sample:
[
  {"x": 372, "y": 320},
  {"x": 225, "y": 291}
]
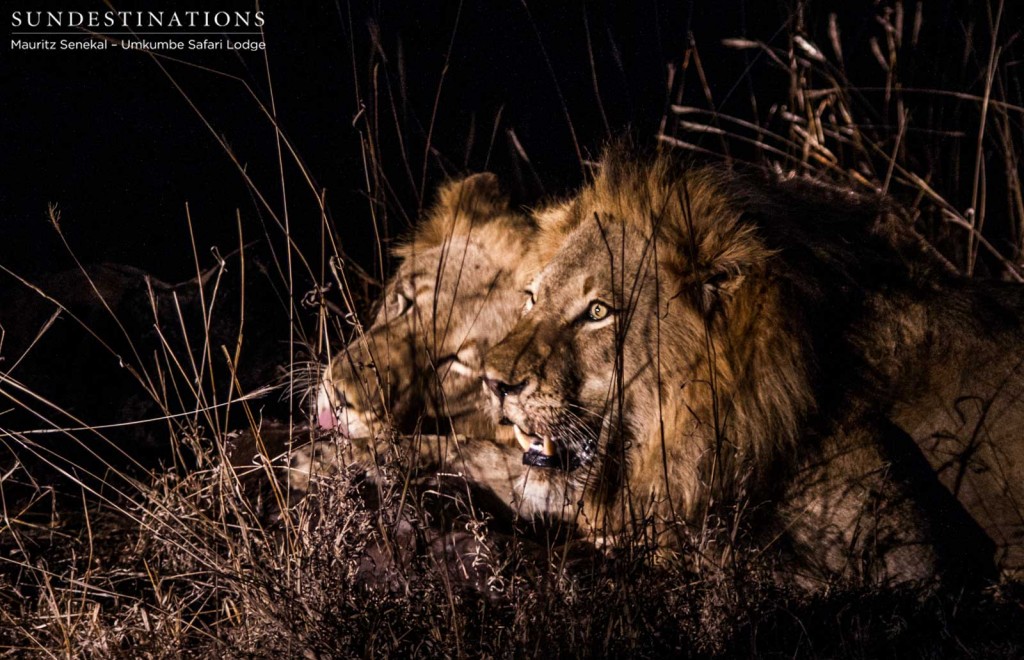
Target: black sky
[{"x": 108, "y": 136}]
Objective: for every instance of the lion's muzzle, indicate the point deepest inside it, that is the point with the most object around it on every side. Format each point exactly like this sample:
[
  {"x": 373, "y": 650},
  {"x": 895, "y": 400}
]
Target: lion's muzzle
[
  {"x": 325, "y": 416},
  {"x": 335, "y": 413}
]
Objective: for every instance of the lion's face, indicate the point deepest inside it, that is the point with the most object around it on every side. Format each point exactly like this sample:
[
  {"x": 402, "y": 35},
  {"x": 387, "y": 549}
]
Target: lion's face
[
  {"x": 580, "y": 376},
  {"x": 425, "y": 333},
  {"x": 624, "y": 373},
  {"x": 456, "y": 292}
]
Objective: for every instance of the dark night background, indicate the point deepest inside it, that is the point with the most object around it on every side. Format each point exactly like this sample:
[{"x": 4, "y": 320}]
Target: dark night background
[
  {"x": 381, "y": 102},
  {"x": 107, "y": 137}
]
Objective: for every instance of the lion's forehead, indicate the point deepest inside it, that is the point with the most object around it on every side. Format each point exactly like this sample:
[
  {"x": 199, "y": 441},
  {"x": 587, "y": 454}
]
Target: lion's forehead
[
  {"x": 457, "y": 253},
  {"x": 453, "y": 271},
  {"x": 565, "y": 282},
  {"x": 598, "y": 258}
]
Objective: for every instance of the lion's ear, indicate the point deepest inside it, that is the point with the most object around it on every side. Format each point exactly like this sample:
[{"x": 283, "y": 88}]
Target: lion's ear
[
  {"x": 726, "y": 256},
  {"x": 476, "y": 206},
  {"x": 479, "y": 196},
  {"x": 719, "y": 281}
]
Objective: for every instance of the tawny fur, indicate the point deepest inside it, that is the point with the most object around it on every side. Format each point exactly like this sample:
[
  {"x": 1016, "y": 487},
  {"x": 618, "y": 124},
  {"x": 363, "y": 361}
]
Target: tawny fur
[
  {"x": 739, "y": 368},
  {"x": 765, "y": 332},
  {"x": 457, "y": 291}
]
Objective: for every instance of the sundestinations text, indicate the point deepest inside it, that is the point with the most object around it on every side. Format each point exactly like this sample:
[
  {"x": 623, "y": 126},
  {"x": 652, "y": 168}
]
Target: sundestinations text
[{"x": 136, "y": 19}]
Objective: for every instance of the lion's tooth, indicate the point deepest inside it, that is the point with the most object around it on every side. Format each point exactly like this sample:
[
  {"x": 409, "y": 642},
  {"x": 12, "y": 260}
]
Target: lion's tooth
[
  {"x": 523, "y": 439},
  {"x": 549, "y": 447}
]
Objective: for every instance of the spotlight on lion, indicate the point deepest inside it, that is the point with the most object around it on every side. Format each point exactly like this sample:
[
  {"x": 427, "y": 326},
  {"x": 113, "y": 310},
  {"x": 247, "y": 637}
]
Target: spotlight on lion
[{"x": 643, "y": 331}]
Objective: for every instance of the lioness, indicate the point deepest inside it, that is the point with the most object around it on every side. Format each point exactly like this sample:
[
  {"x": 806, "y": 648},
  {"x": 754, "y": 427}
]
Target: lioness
[
  {"x": 417, "y": 368},
  {"x": 456, "y": 292}
]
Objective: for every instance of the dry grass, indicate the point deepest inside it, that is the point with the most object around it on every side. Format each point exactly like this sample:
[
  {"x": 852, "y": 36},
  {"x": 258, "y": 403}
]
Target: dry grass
[
  {"x": 207, "y": 555},
  {"x": 945, "y": 141}
]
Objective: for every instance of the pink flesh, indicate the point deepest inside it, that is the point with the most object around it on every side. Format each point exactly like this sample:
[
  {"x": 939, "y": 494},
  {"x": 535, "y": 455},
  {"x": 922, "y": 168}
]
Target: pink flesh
[{"x": 326, "y": 418}]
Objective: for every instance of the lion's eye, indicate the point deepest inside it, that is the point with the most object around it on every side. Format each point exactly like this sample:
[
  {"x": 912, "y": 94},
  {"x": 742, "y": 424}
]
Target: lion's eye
[
  {"x": 531, "y": 300},
  {"x": 398, "y": 304},
  {"x": 598, "y": 311}
]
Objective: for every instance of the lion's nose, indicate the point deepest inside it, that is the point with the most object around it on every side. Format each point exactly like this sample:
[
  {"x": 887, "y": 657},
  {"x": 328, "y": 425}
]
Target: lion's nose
[{"x": 502, "y": 389}]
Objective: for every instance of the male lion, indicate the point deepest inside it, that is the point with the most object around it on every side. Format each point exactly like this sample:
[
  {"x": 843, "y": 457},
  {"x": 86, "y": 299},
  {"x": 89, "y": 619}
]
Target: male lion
[
  {"x": 948, "y": 358},
  {"x": 696, "y": 344}
]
